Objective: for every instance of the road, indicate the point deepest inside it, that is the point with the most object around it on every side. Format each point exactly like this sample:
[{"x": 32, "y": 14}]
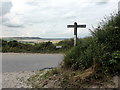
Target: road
[{"x": 12, "y": 62}]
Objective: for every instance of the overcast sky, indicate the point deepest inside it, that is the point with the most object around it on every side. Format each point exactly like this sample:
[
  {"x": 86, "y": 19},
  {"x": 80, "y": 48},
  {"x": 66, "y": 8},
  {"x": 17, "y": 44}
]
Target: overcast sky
[{"x": 49, "y": 18}]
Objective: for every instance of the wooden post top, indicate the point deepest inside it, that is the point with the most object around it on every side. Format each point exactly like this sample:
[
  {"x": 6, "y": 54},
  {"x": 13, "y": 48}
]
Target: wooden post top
[{"x": 75, "y": 25}]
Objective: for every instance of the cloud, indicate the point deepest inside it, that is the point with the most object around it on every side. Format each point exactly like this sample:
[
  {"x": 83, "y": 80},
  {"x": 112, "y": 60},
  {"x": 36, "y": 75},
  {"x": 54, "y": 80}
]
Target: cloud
[
  {"x": 14, "y": 25},
  {"x": 19, "y": 14},
  {"x": 102, "y": 2},
  {"x": 7, "y": 22},
  {"x": 32, "y": 3},
  {"x": 4, "y": 20},
  {"x": 49, "y": 18},
  {"x": 11, "y": 22},
  {"x": 5, "y": 7}
]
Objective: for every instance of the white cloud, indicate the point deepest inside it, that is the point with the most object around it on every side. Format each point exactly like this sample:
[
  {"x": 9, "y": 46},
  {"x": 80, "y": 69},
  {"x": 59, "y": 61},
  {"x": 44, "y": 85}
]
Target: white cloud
[
  {"x": 5, "y": 7},
  {"x": 49, "y": 18}
]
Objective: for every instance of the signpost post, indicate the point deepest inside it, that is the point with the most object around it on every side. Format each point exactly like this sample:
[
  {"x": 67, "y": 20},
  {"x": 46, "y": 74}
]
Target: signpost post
[{"x": 75, "y": 26}]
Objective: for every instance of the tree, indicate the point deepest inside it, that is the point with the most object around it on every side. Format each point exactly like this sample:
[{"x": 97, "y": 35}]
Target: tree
[{"x": 13, "y": 43}]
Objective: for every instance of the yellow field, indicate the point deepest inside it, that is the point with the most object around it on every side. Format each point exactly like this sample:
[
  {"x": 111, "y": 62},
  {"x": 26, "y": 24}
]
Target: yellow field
[{"x": 39, "y": 41}]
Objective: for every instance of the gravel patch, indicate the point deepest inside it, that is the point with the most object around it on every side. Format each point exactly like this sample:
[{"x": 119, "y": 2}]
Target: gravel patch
[{"x": 16, "y": 79}]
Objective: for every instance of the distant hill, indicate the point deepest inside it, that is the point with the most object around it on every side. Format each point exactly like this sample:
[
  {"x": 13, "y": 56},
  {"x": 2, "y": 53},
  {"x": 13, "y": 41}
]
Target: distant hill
[
  {"x": 31, "y": 38},
  {"x": 19, "y": 38}
]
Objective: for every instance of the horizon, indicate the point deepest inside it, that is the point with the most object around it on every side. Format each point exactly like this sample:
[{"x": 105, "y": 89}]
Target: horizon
[{"x": 44, "y": 37}]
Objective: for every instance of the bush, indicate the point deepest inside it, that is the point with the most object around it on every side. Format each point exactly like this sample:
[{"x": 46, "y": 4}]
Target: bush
[
  {"x": 66, "y": 44},
  {"x": 15, "y": 46},
  {"x": 109, "y": 33},
  {"x": 84, "y": 55},
  {"x": 102, "y": 48}
]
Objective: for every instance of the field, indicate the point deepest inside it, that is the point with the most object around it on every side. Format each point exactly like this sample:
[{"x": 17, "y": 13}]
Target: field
[
  {"x": 33, "y": 39},
  {"x": 38, "y": 41}
]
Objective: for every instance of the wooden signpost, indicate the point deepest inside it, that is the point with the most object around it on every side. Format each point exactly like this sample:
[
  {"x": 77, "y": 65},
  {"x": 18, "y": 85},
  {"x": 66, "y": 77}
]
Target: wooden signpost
[{"x": 75, "y": 26}]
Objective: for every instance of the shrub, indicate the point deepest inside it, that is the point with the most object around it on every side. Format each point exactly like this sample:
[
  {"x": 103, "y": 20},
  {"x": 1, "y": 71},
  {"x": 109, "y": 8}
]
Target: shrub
[
  {"x": 66, "y": 44},
  {"x": 109, "y": 33},
  {"x": 81, "y": 57},
  {"x": 102, "y": 48}
]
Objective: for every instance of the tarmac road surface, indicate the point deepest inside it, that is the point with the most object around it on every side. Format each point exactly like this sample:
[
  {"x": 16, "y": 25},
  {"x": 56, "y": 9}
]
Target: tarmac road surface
[{"x": 13, "y": 62}]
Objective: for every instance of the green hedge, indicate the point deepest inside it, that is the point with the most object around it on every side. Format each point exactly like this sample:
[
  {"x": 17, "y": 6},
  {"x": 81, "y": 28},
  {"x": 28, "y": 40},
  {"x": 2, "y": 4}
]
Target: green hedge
[{"x": 102, "y": 48}]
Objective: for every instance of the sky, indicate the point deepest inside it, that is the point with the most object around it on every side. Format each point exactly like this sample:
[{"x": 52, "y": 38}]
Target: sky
[{"x": 49, "y": 18}]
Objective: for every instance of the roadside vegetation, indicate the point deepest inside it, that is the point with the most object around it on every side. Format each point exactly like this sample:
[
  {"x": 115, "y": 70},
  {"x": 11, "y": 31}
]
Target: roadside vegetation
[
  {"x": 94, "y": 61},
  {"x": 44, "y": 47}
]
